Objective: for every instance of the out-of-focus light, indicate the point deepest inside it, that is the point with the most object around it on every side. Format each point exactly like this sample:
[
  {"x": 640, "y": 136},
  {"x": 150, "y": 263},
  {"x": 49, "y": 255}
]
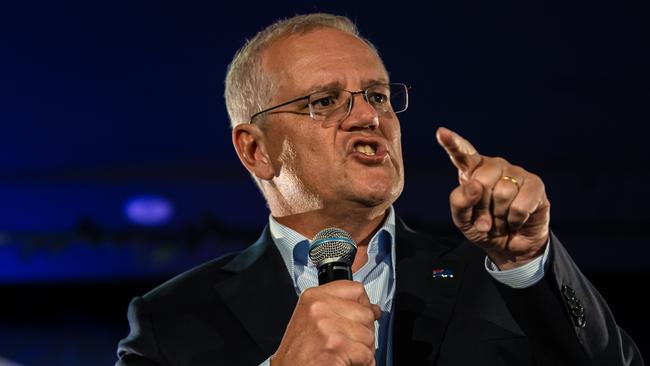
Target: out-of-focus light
[
  {"x": 148, "y": 210},
  {"x": 5, "y": 362}
]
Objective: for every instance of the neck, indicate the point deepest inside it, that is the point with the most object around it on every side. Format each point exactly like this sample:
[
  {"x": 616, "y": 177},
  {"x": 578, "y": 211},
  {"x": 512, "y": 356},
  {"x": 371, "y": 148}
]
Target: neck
[{"x": 361, "y": 224}]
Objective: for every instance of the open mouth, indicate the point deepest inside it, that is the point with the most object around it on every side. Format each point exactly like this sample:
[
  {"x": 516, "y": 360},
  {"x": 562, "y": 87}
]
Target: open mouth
[{"x": 365, "y": 148}]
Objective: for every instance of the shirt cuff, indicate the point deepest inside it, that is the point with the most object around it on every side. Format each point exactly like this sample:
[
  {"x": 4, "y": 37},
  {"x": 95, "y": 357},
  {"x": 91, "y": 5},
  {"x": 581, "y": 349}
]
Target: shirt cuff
[{"x": 524, "y": 276}]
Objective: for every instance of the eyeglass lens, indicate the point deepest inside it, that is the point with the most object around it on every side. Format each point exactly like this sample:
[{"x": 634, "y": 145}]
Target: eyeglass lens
[{"x": 336, "y": 105}]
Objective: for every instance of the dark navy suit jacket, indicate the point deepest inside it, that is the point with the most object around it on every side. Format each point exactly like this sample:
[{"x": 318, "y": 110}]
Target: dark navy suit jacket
[{"x": 234, "y": 311}]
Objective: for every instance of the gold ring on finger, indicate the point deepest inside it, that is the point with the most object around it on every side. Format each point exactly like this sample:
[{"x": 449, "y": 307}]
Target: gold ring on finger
[{"x": 511, "y": 179}]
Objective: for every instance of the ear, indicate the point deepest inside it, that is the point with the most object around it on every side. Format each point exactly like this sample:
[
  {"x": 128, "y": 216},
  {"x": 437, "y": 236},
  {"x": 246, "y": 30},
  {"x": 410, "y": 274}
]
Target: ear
[{"x": 249, "y": 143}]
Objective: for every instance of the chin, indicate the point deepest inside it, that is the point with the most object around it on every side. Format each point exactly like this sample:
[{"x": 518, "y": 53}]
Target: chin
[{"x": 382, "y": 197}]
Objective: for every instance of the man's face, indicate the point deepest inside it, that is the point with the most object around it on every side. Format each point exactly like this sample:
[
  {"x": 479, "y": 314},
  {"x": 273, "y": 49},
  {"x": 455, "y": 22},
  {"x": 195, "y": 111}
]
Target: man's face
[{"x": 325, "y": 165}]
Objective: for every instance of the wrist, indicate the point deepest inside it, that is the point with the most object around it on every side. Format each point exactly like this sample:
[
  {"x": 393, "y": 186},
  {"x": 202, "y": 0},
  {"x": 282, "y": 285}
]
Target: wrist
[{"x": 505, "y": 260}]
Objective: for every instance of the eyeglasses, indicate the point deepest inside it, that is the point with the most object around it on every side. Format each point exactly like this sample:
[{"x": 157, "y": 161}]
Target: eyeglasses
[{"x": 335, "y": 105}]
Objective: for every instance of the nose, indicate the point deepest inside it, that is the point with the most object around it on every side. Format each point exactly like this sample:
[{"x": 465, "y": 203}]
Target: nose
[{"x": 362, "y": 114}]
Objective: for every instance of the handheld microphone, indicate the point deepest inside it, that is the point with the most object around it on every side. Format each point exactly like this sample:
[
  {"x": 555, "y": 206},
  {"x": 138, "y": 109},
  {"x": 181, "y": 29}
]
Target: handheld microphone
[{"x": 332, "y": 251}]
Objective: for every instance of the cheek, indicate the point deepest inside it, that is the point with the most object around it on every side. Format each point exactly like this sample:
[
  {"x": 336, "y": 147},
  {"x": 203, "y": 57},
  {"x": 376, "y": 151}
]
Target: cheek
[
  {"x": 395, "y": 138},
  {"x": 309, "y": 155},
  {"x": 318, "y": 148},
  {"x": 398, "y": 148}
]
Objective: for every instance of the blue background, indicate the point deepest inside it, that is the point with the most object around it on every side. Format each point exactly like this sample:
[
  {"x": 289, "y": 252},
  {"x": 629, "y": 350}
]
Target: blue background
[{"x": 101, "y": 102}]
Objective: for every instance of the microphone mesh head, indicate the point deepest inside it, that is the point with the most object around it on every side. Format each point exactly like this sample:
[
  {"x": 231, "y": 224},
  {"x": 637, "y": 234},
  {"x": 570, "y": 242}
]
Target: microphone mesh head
[{"x": 332, "y": 245}]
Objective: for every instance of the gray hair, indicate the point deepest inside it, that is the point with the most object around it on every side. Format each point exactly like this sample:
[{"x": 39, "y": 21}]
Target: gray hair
[{"x": 248, "y": 88}]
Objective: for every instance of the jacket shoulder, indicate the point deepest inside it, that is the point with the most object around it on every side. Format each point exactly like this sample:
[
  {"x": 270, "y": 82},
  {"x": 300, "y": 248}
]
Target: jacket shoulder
[{"x": 192, "y": 282}]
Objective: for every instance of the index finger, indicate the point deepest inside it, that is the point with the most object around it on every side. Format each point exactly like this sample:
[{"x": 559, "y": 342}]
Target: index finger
[
  {"x": 462, "y": 154},
  {"x": 349, "y": 290}
]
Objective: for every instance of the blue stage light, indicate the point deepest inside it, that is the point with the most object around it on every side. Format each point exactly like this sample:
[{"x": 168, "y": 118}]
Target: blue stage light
[{"x": 148, "y": 210}]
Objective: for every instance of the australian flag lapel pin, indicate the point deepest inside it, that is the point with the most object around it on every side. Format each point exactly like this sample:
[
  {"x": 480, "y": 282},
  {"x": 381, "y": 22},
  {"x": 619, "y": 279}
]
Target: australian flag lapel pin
[{"x": 443, "y": 273}]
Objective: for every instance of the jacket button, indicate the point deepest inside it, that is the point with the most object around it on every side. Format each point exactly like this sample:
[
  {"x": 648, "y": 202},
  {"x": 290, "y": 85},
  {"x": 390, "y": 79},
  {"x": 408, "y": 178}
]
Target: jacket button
[
  {"x": 576, "y": 310},
  {"x": 568, "y": 291}
]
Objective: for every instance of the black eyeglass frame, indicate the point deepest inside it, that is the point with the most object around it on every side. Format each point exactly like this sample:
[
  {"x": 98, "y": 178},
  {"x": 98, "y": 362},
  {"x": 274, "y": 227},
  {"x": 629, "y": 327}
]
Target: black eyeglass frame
[{"x": 363, "y": 92}]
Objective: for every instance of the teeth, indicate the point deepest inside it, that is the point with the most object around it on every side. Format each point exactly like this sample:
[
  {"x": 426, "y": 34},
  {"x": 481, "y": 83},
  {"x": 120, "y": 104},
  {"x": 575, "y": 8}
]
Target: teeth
[{"x": 365, "y": 149}]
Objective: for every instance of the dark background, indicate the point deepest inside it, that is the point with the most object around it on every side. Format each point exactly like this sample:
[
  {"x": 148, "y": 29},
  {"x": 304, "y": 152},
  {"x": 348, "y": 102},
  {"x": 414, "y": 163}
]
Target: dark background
[{"x": 104, "y": 102}]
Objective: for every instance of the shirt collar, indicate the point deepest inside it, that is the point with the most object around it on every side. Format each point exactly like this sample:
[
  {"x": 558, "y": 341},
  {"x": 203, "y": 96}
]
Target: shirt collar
[{"x": 294, "y": 247}]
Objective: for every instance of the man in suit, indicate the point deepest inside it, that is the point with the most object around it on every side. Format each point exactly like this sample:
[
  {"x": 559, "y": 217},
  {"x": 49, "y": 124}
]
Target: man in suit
[{"x": 314, "y": 119}]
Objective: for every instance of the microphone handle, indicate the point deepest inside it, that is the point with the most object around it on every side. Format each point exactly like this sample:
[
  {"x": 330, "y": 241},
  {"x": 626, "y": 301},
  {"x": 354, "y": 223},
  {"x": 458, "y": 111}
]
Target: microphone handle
[{"x": 334, "y": 271}]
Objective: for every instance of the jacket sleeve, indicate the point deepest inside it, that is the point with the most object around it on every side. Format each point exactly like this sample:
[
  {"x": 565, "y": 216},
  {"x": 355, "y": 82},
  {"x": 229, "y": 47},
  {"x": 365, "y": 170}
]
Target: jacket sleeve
[
  {"x": 139, "y": 348},
  {"x": 567, "y": 320}
]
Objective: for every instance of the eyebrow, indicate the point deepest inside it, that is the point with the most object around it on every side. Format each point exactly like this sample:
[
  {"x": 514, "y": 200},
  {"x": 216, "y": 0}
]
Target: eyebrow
[
  {"x": 320, "y": 87},
  {"x": 369, "y": 82},
  {"x": 338, "y": 85}
]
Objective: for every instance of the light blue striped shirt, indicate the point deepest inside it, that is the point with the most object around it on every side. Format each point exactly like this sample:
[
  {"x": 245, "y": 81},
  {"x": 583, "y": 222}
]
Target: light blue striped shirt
[{"x": 378, "y": 274}]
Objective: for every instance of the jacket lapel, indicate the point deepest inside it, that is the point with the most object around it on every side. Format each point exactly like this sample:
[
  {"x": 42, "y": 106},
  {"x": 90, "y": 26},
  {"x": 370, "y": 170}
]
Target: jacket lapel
[
  {"x": 261, "y": 293},
  {"x": 423, "y": 303}
]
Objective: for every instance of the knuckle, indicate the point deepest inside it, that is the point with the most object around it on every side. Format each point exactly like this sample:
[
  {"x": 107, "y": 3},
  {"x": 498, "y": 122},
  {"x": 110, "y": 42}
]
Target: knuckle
[
  {"x": 357, "y": 288},
  {"x": 534, "y": 178},
  {"x": 487, "y": 179},
  {"x": 315, "y": 309},
  {"x": 520, "y": 170},
  {"x": 500, "y": 161},
  {"x": 333, "y": 343},
  {"x": 308, "y": 294},
  {"x": 366, "y": 356},
  {"x": 369, "y": 338},
  {"x": 322, "y": 325},
  {"x": 501, "y": 193},
  {"x": 539, "y": 182},
  {"x": 456, "y": 196},
  {"x": 368, "y": 316},
  {"x": 517, "y": 210}
]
